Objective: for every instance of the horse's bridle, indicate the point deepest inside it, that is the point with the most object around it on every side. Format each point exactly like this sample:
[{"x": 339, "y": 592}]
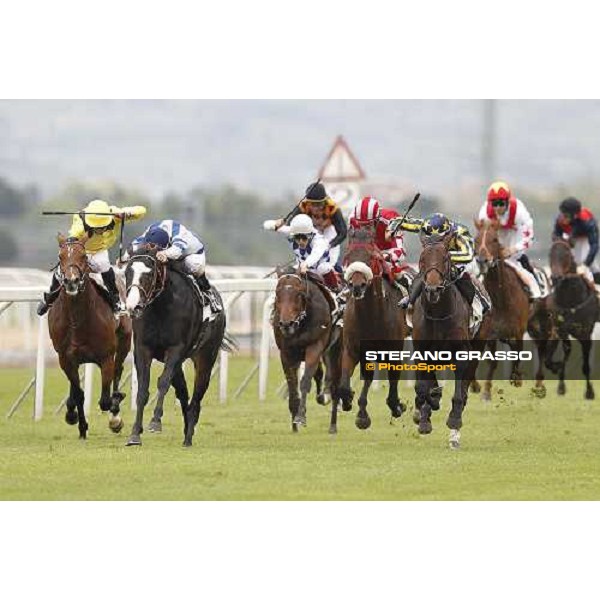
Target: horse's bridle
[
  {"x": 83, "y": 273},
  {"x": 159, "y": 279},
  {"x": 444, "y": 272},
  {"x": 302, "y": 314},
  {"x": 489, "y": 258}
]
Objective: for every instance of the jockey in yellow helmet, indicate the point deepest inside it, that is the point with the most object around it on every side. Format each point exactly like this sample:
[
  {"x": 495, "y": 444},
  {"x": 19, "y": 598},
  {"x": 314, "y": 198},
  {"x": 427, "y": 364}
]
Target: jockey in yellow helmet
[{"x": 101, "y": 225}]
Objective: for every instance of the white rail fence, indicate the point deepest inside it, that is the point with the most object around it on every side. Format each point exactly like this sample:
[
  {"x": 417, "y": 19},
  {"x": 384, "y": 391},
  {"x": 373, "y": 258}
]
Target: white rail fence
[{"x": 31, "y": 286}]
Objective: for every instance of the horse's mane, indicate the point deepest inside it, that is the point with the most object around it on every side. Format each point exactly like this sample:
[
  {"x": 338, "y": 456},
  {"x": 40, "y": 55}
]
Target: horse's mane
[{"x": 362, "y": 235}]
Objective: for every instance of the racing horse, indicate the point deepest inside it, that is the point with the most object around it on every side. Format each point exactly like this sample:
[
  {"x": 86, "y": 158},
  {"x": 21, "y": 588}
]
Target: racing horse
[
  {"x": 576, "y": 310},
  {"x": 512, "y": 315},
  {"x": 441, "y": 318},
  {"x": 83, "y": 329},
  {"x": 170, "y": 325},
  {"x": 371, "y": 314},
  {"x": 304, "y": 330}
]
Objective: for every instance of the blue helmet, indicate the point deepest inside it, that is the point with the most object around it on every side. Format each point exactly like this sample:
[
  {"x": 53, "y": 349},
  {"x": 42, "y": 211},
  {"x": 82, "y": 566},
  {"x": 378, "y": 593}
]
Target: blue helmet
[
  {"x": 437, "y": 225},
  {"x": 157, "y": 236}
]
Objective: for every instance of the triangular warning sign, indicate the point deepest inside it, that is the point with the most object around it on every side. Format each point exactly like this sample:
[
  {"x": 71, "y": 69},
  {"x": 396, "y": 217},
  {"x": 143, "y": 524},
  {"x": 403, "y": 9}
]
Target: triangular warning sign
[{"x": 340, "y": 164}]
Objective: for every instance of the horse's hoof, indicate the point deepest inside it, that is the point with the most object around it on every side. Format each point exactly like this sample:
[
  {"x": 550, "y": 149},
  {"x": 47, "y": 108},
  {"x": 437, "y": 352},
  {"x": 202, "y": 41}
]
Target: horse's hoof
[
  {"x": 562, "y": 388},
  {"x": 398, "y": 410},
  {"x": 105, "y": 406},
  {"x": 327, "y": 398},
  {"x": 539, "y": 392},
  {"x": 82, "y": 436},
  {"x": 71, "y": 417},
  {"x": 118, "y": 397},
  {"x": 299, "y": 420},
  {"x": 134, "y": 440},
  {"x": 187, "y": 443},
  {"x": 332, "y": 429},
  {"x": 346, "y": 406},
  {"x": 589, "y": 394},
  {"x": 486, "y": 396},
  {"x": 116, "y": 424},
  {"x": 363, "y": 422},
  {"x": 155, "y": 426},
  {"x": 454, "y": 422},
  {"x": 294, "y": 428},
  {"x": 425, "y": 428},
  {"x": 475, "y": 387},
  {"x": 416, "y": 416},
  {"x": 321, "y": 399},
  {"x": 454, "y": 440}
]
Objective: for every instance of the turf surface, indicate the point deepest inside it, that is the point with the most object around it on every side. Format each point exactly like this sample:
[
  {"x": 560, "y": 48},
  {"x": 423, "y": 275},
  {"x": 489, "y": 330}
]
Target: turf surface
[{"x": 516, "y": 447}]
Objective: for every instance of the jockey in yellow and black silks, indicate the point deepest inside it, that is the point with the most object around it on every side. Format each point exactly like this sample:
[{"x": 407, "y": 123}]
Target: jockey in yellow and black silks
[{"x": 101, "y": 224}]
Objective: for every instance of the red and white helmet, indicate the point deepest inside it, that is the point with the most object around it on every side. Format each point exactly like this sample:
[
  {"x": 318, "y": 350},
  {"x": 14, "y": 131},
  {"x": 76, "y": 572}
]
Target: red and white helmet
[{"x": 367, "y": 210}]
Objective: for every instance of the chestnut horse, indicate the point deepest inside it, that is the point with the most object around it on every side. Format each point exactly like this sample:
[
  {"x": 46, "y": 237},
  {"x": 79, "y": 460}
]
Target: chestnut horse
[
  {"x": 304, "y": 331},
  {"x": 576, "y": 308},
  {"x": 512, "y": 314},
  {"x": 83, "y": 329},
  {"x": 371, "y": 313},
  {"x": 441, "y": 318}
]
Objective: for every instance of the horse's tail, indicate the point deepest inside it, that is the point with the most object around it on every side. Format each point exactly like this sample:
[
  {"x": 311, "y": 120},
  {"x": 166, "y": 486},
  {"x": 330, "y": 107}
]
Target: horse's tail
[{"x": 229, "y": 343}]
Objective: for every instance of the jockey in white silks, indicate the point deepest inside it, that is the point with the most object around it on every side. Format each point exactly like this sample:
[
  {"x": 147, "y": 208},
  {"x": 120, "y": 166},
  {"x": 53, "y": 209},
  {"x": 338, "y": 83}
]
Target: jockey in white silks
[
  {"x": 175, "y": 242},
  {"x": 515, "y": 232},
  {"x": 310, "y": 248}
]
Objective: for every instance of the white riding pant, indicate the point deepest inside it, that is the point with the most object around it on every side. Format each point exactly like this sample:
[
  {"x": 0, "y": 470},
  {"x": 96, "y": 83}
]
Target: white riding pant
[
  {"x": 195, "y": 264},
  {"x": 580, "y": 253},
  {"x": 525, "y": 275},
  {"x": 99, "y": 262}
]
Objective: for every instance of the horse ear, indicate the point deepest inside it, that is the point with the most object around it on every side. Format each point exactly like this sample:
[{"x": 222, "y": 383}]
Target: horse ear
[
  {"x": 60, "y": 238},
  {"x": 478, "y": 223},
  {"x": 84, "y": 238}
]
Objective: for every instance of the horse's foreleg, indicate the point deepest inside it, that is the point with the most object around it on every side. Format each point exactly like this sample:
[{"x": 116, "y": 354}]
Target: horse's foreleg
[
  {"x": 344, "y": 390},
  {"x": 142, "y": 367},
  {"x": 312, "y": 360},
  {"x": 516, "y": 376},
  {"x": 181, "y": 392},
  {"x": 363, "y": 420},
  {"x": 586, "y": 346},
  {"x": 290, "y": 365},
  {"x": 461, "y": 381},
  {"x": 422, "y": 414},
  {"x": 75, "y": 412},
  {"x": 318, "y": 376},
  {"x": 333, "y": 374},
  {"x": 107, "y": 369},
  {"x": 123, "y": 348}
]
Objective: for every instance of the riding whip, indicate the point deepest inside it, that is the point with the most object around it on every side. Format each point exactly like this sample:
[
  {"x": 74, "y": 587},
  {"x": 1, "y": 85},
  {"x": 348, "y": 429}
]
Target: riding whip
[
  {"x": 410, "y": 207},
  {"x": 308, "y": 191}
]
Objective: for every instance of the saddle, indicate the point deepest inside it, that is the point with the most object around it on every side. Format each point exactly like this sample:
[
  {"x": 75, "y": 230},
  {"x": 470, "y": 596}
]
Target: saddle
[
  {"x": 201, "y": 297},
  {"x": 540, "y": 276},
  {"x": 329, "y": 296}
]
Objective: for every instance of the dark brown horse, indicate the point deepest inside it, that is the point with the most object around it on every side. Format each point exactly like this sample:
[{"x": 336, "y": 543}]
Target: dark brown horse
[
  {"x": 512, "y": 314},
  {"x": 441, "y": 318},
  {"x": 83, "y": 329},
  {"x": 371, "y": 313},
  {"x": 304, "y": 331},
  {"x": 577, "y": 309}
]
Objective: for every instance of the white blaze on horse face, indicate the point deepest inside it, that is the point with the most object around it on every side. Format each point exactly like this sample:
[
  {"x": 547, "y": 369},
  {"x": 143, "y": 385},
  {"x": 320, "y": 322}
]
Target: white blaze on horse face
[{"x": 133, "y": 297}]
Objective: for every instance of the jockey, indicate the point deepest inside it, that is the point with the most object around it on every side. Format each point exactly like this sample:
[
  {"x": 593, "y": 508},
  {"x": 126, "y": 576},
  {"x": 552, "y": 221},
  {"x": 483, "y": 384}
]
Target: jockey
[
  {"x": 326, "y": 217},
  {"x": 102, "y": 230},
  {"x": 311, "y": 249},
  {"x": 515, "y": 232},
  {"x": 579, "y": 226},
  {"x": 461, "y": 249},
  {"x": 368, "y": 213},
  {"x": 177, "y": 243}
]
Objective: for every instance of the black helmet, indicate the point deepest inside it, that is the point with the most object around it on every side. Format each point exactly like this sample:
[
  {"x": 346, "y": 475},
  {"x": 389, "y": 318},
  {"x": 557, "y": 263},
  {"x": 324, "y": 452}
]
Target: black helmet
[
  {"x": 570, "y": 206},
  {"x": 315, "y": 192}
]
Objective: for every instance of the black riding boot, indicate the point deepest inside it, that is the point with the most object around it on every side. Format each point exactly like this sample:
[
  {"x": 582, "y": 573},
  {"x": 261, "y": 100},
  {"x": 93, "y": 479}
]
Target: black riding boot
[
  {"x": 468, "y": 289},
  {"x": 49, "y": 297},
  {"x": 208, "y": 291},
  {"x": 415, "y": 291},
  {"x": 111, "y": 285},
  {"x": 524, "y": 260},
  {"x": 597, "y": 278}
]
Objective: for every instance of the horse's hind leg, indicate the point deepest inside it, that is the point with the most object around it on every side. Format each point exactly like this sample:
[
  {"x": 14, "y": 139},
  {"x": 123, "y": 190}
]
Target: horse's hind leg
[
  {"x": 586, "y": 346},
  {"x": 123, "y": 348},
  {"x": 143, "y": 361},
  {"x": 203, "y": 364},
  {"x": 486, "y": 394},
  {"x": 173, "y": 359},
  {"x": 318, "y": 377},
  {"x": 393, "y": 401},
  {"x": 363, "y": 420},
  {"x": 181, "y": 392},
  {"x": 566, "y": 346}
]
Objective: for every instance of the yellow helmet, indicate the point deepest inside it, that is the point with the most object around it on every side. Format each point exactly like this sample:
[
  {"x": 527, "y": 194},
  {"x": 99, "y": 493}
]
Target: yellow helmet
[{"x": 95, "y": 220}]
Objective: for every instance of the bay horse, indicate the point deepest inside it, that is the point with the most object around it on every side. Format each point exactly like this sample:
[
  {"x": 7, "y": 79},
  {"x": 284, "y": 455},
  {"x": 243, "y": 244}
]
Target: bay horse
[
  {"x": 83, "y": 329},
  {"x": 512, "y": 315},
  {"x": 371, "y": 313},
  {"x": 441, "y": 318},
  {"x": 169, "y": 326},
  {"x": 304, "y": 331},
  {"x": 576, "y": 308}
]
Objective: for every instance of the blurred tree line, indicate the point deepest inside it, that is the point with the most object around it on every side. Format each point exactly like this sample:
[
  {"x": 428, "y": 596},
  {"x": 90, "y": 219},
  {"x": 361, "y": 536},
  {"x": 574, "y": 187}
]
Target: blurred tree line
[{"x": 228, "y": 220}]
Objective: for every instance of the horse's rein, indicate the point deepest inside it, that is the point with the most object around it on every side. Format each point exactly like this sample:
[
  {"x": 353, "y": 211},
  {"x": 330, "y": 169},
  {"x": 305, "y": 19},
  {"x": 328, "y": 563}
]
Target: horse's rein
[
  {"x": 158, "y": 276},
  {"x": 304, "y": 281}
]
